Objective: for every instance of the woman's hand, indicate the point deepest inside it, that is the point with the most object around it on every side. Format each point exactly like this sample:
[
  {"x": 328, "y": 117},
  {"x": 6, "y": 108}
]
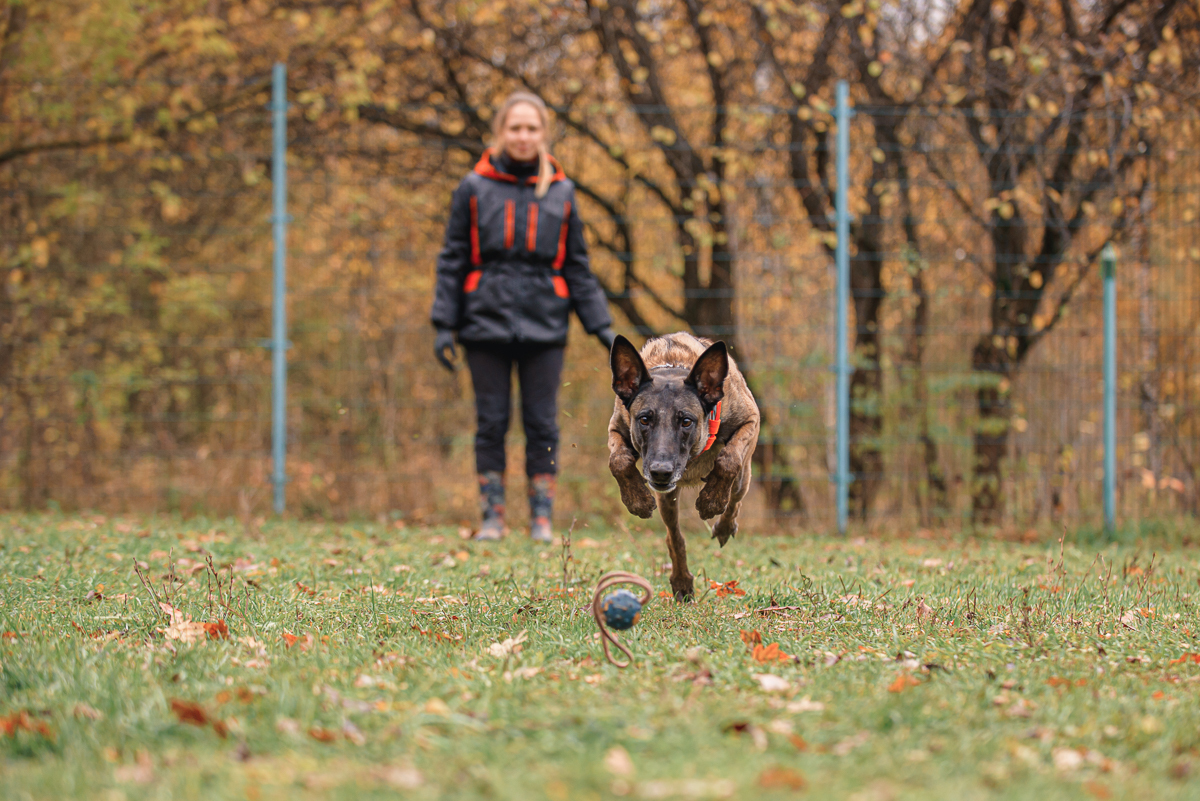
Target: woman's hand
[
  {"x": 444, "y": 341},
  {"x": 606, "y": 337}
]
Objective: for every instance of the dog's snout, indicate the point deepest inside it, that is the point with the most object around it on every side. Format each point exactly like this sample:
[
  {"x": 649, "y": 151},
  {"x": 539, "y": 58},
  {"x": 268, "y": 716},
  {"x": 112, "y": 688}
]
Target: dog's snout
[{"x": 661, "y": 472}]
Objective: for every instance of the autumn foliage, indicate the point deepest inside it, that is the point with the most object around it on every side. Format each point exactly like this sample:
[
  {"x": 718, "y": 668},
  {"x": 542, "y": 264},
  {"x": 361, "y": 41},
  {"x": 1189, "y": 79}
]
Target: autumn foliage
[{"x": 996, "y": 147}]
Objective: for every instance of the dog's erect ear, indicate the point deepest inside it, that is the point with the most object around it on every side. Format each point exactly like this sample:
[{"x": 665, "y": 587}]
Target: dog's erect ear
[
  {"x": 708, "y": 375},
  {"x": 628, "y": 369}
]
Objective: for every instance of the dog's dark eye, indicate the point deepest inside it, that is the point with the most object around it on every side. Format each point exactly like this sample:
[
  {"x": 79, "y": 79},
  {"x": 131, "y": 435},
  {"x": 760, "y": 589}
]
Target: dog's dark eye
[
  {"x": 686, "y": 422},
  {"x": 644, "y": 419}
]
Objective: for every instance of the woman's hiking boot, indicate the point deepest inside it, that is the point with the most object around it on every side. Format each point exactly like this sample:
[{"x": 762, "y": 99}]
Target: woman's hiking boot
[
  {"x": 491, "y": 504},
  {"x": 541, "y": 507}
]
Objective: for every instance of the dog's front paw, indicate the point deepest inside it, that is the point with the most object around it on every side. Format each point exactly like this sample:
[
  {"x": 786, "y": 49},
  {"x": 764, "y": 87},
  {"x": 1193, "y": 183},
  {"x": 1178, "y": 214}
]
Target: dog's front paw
[
  {"x": 724, "y": 531},
  {"x": 715, "y": 496},
  {"x": 637, "y": 498}
]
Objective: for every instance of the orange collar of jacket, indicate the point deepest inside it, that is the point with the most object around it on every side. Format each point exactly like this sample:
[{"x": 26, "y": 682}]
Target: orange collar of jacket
[
  {"x": 714, "y": 425},
  {"x": 488, "y": 170}
]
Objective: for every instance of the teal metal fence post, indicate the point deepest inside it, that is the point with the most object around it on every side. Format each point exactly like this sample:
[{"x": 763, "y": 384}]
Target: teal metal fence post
[
  {"x": 1108, "y": 266},
  {"x": 279, "y": 223},
  {"x": 842, "y": 212}
]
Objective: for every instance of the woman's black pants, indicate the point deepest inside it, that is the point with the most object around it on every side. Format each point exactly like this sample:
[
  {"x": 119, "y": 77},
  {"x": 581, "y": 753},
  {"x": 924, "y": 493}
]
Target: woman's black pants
[{"x": 539, "y": 369}]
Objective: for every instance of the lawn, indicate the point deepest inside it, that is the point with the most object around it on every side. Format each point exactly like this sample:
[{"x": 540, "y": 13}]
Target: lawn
[{"x": 305, "y": 660}]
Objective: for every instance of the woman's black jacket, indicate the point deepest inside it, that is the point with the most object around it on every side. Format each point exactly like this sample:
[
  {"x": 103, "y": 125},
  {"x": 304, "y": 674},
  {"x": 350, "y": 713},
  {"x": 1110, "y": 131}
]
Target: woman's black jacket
[{"x": 514, "y": 266}]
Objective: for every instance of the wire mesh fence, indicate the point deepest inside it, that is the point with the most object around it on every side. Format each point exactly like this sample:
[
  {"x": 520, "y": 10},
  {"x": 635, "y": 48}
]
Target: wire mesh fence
[{"x": 136, "y": 307}]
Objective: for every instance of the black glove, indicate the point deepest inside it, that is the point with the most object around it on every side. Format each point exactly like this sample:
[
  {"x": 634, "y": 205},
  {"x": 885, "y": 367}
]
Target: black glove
[
  {"x": 441, "y": 343},
  {"x": 606, "y": 337}
]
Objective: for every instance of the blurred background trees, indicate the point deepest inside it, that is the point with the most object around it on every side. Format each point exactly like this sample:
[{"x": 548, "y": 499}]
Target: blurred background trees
[{"x": 996, "y": 147}]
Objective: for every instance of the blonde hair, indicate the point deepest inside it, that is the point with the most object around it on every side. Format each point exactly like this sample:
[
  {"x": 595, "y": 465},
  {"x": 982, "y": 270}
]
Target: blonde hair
[{"x": 545, "y": 168}]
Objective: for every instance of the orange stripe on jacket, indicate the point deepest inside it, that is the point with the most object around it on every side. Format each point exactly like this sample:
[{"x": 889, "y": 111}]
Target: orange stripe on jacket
[
  {"x": 510, "y": 222},
  {"x": 531, "y": 228},
  {"x": 475, "y": 260},
  {"x": 472, "y": 281},
  {"x": 561, "y": 256}
]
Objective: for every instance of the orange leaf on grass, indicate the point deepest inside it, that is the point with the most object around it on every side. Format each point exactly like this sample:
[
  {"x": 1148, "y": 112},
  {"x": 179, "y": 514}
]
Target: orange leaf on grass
[
  {"x": 217, "y": 630},
  {"x": 903, "y": 682},
  {"x": 751, "y": 638},
  {"x": 291, "y": 639},
  {"x": 322, "y": 735},
  {"x": 22, "y": 721},
  {"x": 1058, "y": 681},
  {"x": 782, "y": 778},
  {"x": 1188, "y": 657},
  {"x": 9, "y": 635},
  {"x": 726, "y": 589},
  {"x": 189, "y": 712},
  {"x": 770, "y": 653}
]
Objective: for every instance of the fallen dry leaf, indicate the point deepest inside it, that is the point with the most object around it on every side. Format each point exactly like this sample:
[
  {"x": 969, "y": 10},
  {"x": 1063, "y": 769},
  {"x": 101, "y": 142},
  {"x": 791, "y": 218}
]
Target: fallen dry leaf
[
  {"x": 436, "y": 706},
  {"x": 23, "y": 721},
  {"x": 400, "y": 776},
  {"x": 726, "y": 589},
  {"x": 216, "y": 630},
  {"x": 805, "y": 705},
  {"x": 1067, "y": 759},
  {"x": 82, "y": 710},
  {"x": 305, "y": 641},
  {"x": 287, "y": 726},
  {"x": 182, "y": 627},
  {"x": 140, "y": 772},
  {"x": 782, "y": 778},
  {"x": 618, "y": 762},
  {"x": 189, "y": 712},
  {"x": 1058, "y": 681},
  {"x": 322, "y": 735},
  {"x": 770, "y": 653},
  {"x": 688, "y": 788},
  {"x": 850, "y": 743},
  {"x": 751, "y": 638},
  {"x": 353, "y": 733},
  {"x": 510, "y": 646},
  {"x": 903, "y": 682},
  {"x": 772, "y": 684},
  {"x": 1187, "y": 657}
]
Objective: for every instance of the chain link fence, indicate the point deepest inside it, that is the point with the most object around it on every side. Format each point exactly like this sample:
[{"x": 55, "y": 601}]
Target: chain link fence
[{"x": 136, "y": 306}]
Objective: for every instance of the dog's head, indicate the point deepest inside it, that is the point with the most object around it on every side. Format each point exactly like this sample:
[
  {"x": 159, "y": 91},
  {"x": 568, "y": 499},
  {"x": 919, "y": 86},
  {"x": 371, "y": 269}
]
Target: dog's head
[{"x": 668, "y": 408}]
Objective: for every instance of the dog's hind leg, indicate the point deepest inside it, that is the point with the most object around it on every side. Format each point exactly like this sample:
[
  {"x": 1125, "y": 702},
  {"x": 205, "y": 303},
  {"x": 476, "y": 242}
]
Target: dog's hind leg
[
  {"x": 681, "y": 579},
  {"x": 726, "y": 525}
]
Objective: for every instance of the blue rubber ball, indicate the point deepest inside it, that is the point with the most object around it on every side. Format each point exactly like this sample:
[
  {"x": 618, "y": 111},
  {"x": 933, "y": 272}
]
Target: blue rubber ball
[{"x": 621, "y": 609}]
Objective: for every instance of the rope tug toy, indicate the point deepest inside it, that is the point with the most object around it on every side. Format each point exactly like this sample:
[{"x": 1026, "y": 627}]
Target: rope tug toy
[{"x": 620, "y": 609}]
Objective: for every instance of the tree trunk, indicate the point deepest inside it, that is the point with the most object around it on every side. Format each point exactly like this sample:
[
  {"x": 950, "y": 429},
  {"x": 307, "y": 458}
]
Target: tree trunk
[
  {"x": 991, "y": 431},
  {"x": 933, "y": 503}
]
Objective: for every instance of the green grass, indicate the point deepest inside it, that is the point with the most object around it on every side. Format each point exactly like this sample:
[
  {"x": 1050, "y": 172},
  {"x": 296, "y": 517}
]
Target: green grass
[{"x": 923, "y": 668}]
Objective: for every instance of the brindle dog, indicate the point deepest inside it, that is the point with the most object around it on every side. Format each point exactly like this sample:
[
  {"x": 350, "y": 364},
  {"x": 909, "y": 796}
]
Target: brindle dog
[{"x": 672, "y": 399}]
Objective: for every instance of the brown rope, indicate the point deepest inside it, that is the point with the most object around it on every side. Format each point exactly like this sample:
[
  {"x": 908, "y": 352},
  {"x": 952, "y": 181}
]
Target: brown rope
[{"x": 606, "y": 581}]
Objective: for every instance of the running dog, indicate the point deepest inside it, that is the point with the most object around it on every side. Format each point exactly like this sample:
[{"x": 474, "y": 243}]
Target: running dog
[{"x": 684, "y": 410}]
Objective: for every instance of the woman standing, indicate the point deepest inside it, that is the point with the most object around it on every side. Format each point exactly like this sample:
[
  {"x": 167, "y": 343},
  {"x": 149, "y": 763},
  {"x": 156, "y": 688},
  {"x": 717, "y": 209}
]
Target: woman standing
[{"x": 513, "y": 266}]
